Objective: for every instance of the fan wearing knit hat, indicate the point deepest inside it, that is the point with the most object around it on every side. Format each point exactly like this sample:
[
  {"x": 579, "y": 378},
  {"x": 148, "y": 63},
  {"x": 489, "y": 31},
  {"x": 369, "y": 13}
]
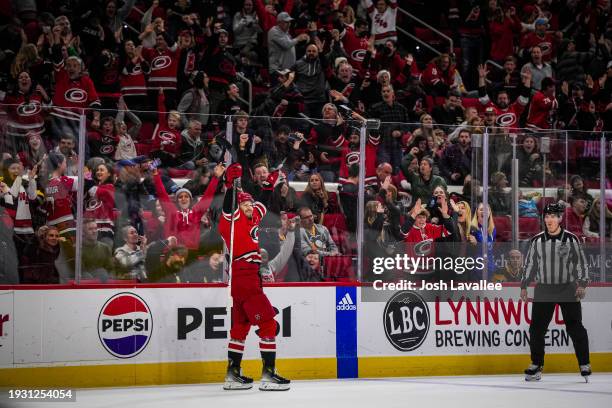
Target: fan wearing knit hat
[{"x": 183, "y": 217}]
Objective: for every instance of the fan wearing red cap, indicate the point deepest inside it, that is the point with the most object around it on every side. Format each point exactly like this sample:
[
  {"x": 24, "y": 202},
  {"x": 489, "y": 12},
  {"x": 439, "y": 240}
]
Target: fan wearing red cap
[{"x": 251, "y": 306}]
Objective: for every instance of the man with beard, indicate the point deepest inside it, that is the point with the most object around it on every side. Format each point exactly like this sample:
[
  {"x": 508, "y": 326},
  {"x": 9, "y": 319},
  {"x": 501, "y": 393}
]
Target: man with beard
[
  {"x": 325, "y": 141},
  {"x": 350, "y": 156},
  {"x": 239, "y": 228},
  {"x": 507, "y": 113},
  {"x": 393, "y": 115},
  {"x": 167, "y": 269},
  {"x": 345, "y": 88},
  {"x": 310, "y": 80},
  {"x": 456, "y": 161},
  {"x": 451, "y": 113}
]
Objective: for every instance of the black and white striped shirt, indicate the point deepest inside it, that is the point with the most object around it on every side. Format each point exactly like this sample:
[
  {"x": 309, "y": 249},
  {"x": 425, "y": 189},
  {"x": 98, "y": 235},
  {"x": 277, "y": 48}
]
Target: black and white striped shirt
[{"x": 553, "y": 260}]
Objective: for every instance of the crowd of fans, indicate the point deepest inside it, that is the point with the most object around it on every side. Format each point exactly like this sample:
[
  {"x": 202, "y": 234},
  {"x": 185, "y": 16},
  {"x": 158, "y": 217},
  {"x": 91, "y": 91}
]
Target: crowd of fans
[{"x": 160, "y": 83}]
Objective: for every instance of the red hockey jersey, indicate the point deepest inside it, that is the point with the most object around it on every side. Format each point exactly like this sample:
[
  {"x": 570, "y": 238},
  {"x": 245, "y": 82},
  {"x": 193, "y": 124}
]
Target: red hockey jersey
[
  {"x": 133, "y": 81},
  {"x": 24, "y": 114},
  {"x": 355, "y": 47},
  {"x": 546, "y": 44},
  {"x": 508, "y": 117},
  {"x": 185, "y": 224},
  {"x": 164, "y": 67},
  {"x": 100, "y": 207},
  {"x": 350, "y": 156},
  {"x": 541, "y": 111},
  {"x": 165, "y": 139},
  {"x": 59, "y": 197},
  {"x": 72, "y": 96},
  {"x": 246, "y": 235},
  {"x": 420, "y": 244}
]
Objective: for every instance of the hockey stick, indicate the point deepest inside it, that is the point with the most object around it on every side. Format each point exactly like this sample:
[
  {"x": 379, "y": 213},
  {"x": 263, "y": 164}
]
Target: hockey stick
[{"x": 236, "y": 185}]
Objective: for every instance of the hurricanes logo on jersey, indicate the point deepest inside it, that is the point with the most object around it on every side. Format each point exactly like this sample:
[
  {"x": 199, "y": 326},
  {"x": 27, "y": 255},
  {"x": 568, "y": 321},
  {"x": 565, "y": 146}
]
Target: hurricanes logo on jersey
[
  {"x": 160, "y": 62},
  {"x": 423, "y": 248},
  {"x": 75, "y": 95},
  {"x": 352, "y": 158},
  {"x": 506, "y": 119},
  {"x": 166, "y": 136},
  {"x": 254, "y": 233},
  {"x": 28, "y": 109},
  {"x": 358, "y": 55}
]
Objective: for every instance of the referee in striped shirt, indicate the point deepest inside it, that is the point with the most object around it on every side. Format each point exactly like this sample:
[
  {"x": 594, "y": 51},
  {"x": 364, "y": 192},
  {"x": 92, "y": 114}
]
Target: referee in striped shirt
[{"x": 555, "y": 260}]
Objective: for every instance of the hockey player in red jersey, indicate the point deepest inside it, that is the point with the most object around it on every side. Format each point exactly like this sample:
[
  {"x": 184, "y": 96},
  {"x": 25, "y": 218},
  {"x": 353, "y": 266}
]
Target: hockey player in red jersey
[{"x": 250, "y": 305}]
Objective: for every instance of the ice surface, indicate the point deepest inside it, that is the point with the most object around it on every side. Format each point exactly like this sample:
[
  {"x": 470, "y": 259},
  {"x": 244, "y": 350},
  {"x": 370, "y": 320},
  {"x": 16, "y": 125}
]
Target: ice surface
[{"x": 555, "y": 390}]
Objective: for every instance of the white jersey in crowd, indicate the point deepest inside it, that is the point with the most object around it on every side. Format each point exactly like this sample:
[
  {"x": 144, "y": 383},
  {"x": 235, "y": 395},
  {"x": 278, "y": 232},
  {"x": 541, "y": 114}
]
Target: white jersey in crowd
[{"x": 383, "y": 24}]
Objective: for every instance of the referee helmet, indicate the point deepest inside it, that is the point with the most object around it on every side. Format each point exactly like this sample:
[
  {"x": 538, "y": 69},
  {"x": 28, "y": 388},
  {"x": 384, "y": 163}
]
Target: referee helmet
[{"x": 554, "y": 208}]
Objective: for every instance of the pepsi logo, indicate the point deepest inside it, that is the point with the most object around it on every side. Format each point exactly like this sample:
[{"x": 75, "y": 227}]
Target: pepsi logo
[
  {"x": 358, "y": 55},
  {"x": 161, "y": 62},
  {"x": 125, "y": 325},
  {"x": 75, "y": 95},
  {"x": 29, "y": 109},
  {"x": 506, "y": 119}
]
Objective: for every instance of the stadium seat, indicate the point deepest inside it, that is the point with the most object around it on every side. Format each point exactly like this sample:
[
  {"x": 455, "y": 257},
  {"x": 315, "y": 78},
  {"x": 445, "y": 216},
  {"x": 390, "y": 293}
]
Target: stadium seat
[
  {"x": 528, "y": 227},
  {"x": 339, "y": 268},
  {"x": 503, "y": 228}
]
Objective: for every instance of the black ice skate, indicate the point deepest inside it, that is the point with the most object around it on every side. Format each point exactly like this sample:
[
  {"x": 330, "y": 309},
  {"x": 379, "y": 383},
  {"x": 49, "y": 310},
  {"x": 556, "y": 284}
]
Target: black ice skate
[
  {"x": 271, "y": 381},
  {"x": 234, "y": 380},
  {"x": 533, "y": 373},
  {"x": 585, "y": 371}
]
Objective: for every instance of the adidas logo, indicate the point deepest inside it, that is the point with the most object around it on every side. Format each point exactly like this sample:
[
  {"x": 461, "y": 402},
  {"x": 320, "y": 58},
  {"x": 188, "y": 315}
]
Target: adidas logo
[{"x": 346, "y": 303}]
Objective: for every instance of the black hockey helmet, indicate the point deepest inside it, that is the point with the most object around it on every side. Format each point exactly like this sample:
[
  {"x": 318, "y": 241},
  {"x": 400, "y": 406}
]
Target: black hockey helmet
[{"x": 554, "y": 208}]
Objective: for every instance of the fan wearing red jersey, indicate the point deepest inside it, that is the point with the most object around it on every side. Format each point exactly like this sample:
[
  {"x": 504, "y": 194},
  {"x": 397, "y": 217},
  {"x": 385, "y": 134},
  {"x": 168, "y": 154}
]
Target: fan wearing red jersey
[
  {"x": 74, "y": 92},
  {"x": 183, "y": 218},
  {"x": 60, "y": 196},
  {"x": 24, "y": 108},
  {"x": 164, "y": 61},
  {"x": 422, "y": 235},
  {"x": 543, "y": 106},
  {"x": 350, "y": 156},
  {"x": 507, "y": 113},
  {"x": 250, "y": 304},
  {"x": 167, "y": 134}
]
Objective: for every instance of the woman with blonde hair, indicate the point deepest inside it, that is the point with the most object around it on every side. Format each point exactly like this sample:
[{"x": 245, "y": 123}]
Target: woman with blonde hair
[{"x": 478, "y": 233}]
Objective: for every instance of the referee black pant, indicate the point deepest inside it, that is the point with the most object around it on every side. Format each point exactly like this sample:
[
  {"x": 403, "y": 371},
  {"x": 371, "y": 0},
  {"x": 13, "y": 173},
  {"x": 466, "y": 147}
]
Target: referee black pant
[{"x": 545, "y": 299}]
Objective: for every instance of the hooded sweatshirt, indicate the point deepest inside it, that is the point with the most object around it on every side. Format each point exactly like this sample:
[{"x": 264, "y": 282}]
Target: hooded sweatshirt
[{"x": 185, "y": 224}]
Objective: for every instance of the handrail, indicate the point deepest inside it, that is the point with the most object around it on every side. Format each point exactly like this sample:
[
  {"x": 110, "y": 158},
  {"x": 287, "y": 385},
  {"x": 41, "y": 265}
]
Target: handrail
[
  {"x": 435, "y": 30},
  {"x": 495, "y": 64},
  {"x": 417, "y": 39},
  {"x": 250, "y": 87}
]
